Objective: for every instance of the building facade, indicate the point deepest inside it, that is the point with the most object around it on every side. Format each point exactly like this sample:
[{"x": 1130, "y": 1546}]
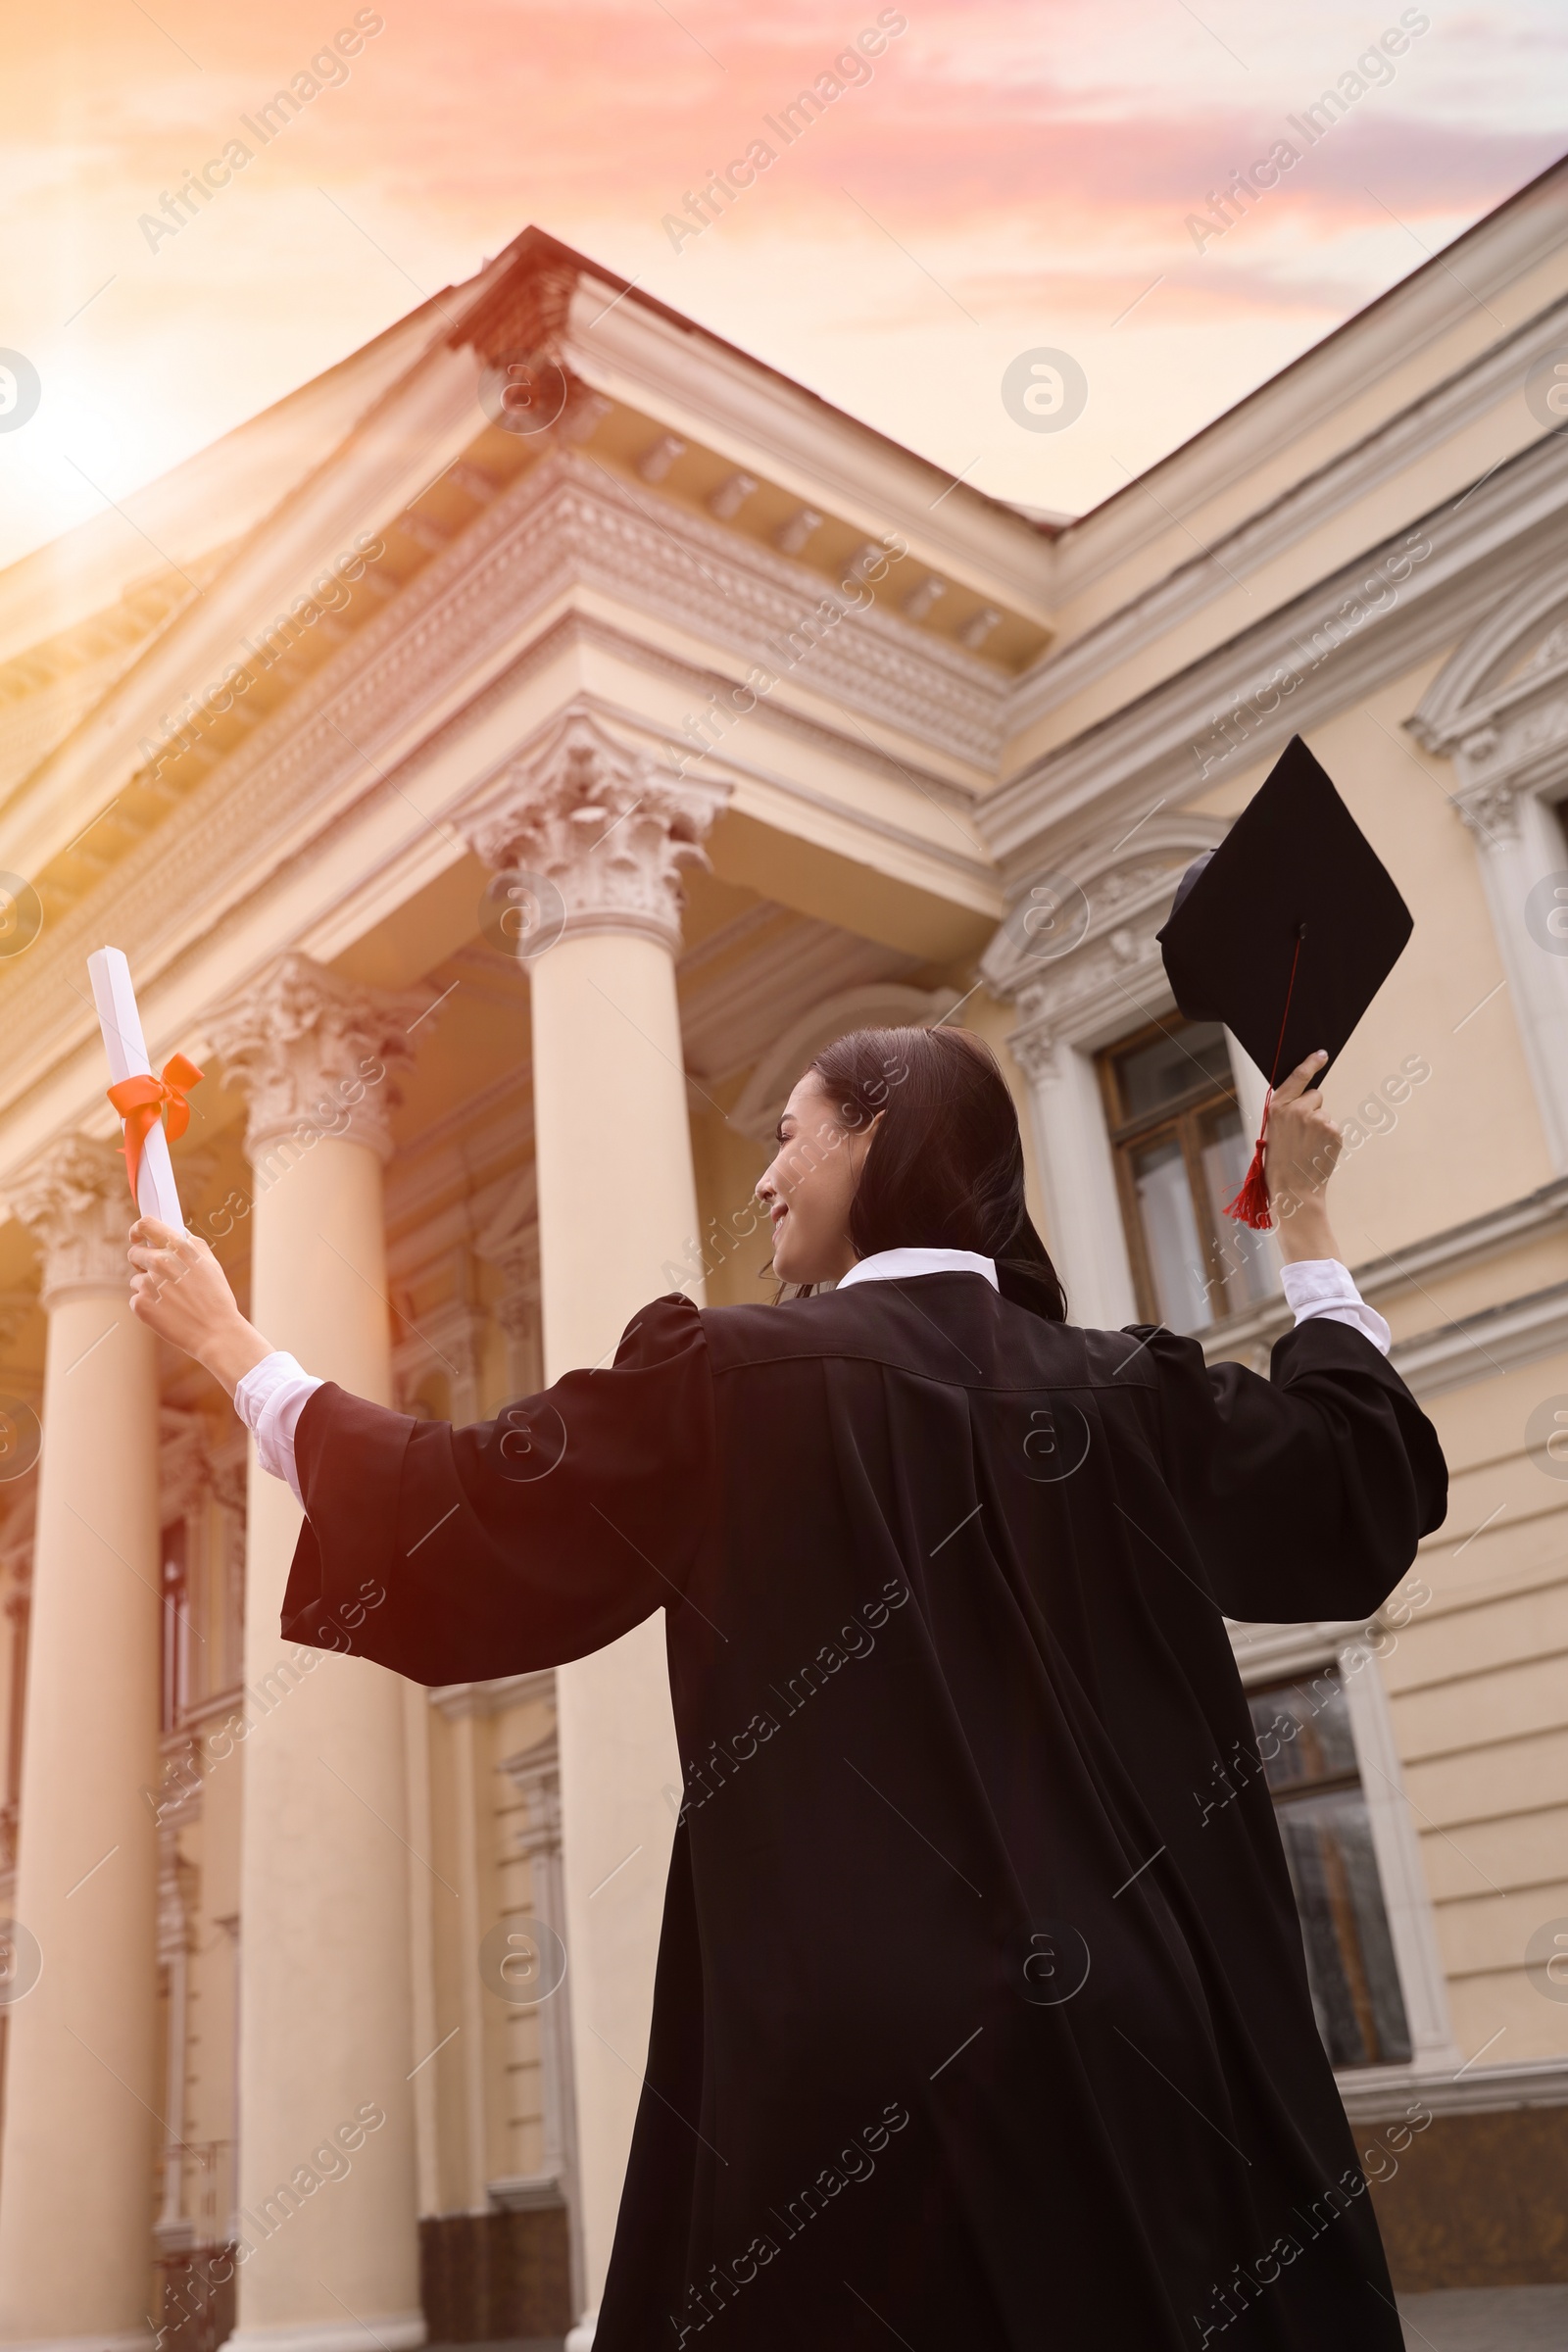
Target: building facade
[{"x": 505, "y": 763}]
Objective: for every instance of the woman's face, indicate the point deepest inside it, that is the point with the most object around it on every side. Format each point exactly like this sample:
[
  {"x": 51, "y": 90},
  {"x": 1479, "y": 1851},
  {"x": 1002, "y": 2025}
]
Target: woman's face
[{"x": 810, "y": 1185}]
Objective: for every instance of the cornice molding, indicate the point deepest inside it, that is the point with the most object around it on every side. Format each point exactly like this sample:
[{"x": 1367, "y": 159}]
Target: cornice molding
[
  {"x": 1358, "y": 473},
  {"x": 734, "y": 593},
  {"x": 1402, "y": 323},
  {"x": 389, "y": 449},
  {"x": 763, "y": 421},
  {"x": 508, "y": 1238},
  {"x": 1118, "y": 894},
  {"x": 973, "y": 871},
  {"x": 1497, "y": 1338},
  {"x": 447, "y": 1339},
  {"x": 186, "y": 1474},
  {"x": 1293, "y": 669},
  {"x": 1500, "y": 1339},
  {"x": 477, "y": 1144},
  {"x": 1382, "y": 2093}
]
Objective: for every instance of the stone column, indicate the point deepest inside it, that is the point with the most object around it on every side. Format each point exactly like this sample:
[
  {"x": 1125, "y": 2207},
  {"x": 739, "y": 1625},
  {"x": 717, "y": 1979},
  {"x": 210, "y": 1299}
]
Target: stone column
[
  {"x": 1518, "y": 847},
  {"x": 83, "y": 2094},
  {"x": 1077, "y": 1175},
  {"x": 325, "y": 2032},
  {"x": 595, "y": 837}
]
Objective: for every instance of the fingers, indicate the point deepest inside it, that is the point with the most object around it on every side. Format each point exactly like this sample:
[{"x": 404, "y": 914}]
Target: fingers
[
  {"x": 151, "y": 1237},
  {"x": 171, "y": 1251},
  {"x": 153, "y": 1230},
  {"x": 1300, "y": 1078},
  {"x": 170, "y": 1263}
]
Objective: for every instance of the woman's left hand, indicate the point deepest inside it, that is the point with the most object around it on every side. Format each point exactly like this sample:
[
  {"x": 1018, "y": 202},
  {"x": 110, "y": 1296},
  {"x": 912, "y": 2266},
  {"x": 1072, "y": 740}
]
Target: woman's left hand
[{"x": 1302, "y": 1148}]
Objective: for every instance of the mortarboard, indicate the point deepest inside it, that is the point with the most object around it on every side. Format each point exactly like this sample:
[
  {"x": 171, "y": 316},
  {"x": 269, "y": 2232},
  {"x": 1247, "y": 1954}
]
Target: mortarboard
[{"x": 1284, "y": 933}]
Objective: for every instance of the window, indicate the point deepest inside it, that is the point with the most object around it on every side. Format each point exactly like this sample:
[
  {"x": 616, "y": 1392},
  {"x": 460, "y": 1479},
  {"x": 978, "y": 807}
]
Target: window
[
  {"x": 1181, "y": 1152},
  {"x": 177, "y": 1630},
  {"x": 1308, "y": 1752}
]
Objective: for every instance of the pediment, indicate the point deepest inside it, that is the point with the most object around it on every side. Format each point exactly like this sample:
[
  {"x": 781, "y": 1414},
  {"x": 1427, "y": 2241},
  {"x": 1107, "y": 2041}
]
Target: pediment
[{"x": 1501, "y": 671}]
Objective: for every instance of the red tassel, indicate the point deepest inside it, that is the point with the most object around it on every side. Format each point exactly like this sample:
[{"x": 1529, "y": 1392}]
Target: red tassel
[{"x": 1250, "y": 1205}]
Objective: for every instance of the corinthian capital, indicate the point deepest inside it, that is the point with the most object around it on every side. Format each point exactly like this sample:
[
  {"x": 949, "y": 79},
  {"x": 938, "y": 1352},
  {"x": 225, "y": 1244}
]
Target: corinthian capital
[
  {"x": 316, "y": 1054},
  {"x": 1035, "y": 1052},
  {"x": 76, "y": 1203},
  {"x": 1490, "y": 808},
  {"x": 608, "y": 827}
]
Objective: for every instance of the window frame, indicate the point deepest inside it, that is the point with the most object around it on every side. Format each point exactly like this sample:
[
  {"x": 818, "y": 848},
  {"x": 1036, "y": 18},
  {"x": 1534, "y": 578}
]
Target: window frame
[
  {"x": 1182, "y": 1115},
  {"x": 1274, "y": 1654},
  {"x": 1354, "y": 1964}
]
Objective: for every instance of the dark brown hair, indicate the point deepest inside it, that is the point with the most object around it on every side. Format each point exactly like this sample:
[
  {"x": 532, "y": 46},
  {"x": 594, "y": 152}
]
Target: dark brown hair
[{"x": 945, "y": 1167}]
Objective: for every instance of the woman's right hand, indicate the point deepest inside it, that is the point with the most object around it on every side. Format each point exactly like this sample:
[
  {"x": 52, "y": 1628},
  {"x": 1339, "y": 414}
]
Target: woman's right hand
[{"x": 182, "y": 1291}]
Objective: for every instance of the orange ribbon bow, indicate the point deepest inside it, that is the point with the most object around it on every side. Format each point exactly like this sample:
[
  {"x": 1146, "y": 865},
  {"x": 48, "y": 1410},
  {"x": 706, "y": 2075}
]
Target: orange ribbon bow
[{"x": 142, "y": 1100}]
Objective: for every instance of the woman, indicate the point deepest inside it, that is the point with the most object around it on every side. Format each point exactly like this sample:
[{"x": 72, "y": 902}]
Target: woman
[{"x": 976, "y": 2022}]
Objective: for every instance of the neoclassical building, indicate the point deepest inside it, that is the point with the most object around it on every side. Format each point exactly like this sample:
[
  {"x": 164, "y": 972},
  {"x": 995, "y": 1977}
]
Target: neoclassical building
[{"x": 504, "y": 763}]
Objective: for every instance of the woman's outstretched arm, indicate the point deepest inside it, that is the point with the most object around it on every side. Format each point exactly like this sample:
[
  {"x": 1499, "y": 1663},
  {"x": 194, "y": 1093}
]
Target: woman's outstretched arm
[
  {"x": 458, "y": 1555},
  {"x": 1310, "y": 1492}
]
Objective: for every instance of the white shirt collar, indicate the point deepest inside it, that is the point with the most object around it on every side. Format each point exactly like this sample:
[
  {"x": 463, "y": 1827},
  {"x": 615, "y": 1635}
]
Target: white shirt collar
[{"x": 892, "y": 1265}]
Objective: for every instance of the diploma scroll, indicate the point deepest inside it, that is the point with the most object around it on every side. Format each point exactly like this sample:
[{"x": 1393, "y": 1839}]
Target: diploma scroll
[{"x": 156, "y": 1193}]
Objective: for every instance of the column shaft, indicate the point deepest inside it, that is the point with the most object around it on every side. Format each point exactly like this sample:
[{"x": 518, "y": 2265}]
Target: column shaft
[
  {"x": 589, "y": 838},
  {"x": 324, "y": 2000},
  {"x": 82, "y": 2091},
  {"x": 617, "y": 1204},
  {"x": 327, "y": 2221}
]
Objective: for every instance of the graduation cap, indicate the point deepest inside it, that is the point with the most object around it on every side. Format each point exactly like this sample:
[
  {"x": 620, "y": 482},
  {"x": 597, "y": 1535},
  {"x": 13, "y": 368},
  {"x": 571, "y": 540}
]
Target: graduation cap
[{"x": 1284, "y": 933}]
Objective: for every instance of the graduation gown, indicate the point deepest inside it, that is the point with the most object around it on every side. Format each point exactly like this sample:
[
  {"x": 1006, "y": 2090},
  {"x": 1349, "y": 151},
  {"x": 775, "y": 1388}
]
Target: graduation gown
[{"x": 975, "y": 2019}]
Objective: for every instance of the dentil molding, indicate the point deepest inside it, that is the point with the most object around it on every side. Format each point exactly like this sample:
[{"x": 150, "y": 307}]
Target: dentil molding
[{"x": 1236, "y": 706}]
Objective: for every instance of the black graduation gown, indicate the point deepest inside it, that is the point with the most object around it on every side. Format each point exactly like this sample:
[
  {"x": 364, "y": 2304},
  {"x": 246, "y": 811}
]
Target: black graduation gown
[{"x": 975, "y": 2019}]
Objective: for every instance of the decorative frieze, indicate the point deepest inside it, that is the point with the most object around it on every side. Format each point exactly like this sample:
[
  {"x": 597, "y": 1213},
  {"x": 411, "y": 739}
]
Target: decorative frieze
[{"x": 563, "y": 525}]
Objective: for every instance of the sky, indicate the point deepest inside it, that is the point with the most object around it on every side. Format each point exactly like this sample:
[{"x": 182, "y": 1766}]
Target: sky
[{"x": 1004, "y": 178}]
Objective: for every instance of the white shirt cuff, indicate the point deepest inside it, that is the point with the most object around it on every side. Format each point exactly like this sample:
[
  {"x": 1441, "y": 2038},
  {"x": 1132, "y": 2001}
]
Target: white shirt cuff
[
  {"x": 270, "y": 1399},
  {"x": 1322, "y": 1285}
]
